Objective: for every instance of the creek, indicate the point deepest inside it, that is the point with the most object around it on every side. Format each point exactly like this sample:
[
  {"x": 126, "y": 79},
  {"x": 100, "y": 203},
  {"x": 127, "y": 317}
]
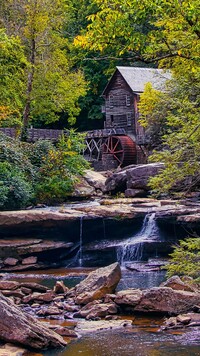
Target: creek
[{"x": 145, "y": 337}]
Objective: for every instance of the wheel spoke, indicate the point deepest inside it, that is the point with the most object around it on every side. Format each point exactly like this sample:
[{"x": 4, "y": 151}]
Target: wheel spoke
[
  {"x": 117, "y": 159},
  {"x": 116, "y": 145},
  {"x": 121, "y": 151}
]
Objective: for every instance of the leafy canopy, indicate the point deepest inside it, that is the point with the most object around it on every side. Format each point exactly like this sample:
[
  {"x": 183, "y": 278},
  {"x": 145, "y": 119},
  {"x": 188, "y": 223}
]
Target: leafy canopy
[
  {"x": 52, "y": 86},
  {"x": 146, "y": 30}
]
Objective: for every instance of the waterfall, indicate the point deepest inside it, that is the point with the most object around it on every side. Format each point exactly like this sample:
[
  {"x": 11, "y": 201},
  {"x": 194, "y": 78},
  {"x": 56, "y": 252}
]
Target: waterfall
[
  {"x": 80, "y": 252},
  {"x": 132, "y": 248}
]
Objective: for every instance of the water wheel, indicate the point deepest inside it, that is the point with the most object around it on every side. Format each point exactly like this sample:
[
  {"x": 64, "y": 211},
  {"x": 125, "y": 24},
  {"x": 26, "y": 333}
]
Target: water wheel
[{"x": 122, "y": 149}]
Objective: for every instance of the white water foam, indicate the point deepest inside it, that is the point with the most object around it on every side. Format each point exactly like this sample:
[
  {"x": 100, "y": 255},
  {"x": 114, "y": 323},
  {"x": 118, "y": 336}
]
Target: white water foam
[{"x": 132, "y": 248}]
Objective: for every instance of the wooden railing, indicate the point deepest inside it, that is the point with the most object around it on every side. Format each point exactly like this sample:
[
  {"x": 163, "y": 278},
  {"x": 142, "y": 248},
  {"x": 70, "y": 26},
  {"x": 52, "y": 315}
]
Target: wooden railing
[{"x": 35, "y": 134}]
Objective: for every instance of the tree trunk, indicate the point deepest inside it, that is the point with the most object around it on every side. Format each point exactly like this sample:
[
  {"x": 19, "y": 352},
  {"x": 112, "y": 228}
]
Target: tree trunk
[{"x": 27, "y": 107}]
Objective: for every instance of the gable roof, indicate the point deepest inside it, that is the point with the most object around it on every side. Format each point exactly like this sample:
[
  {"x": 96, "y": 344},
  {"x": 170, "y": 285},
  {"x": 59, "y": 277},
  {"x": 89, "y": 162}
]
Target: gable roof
[{"x": 137, "y": 77}]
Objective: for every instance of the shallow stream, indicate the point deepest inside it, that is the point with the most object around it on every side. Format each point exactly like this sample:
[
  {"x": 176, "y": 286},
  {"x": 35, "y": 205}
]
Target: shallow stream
[{"x": 143, "y": 339}]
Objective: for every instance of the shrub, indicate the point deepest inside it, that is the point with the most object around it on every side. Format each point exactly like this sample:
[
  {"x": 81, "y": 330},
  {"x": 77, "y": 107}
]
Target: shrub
[
  {"x": 15, "y": 191},
  {"x": 185, "y": 259},
  {"x": 59, "y": 173},
  {"x": 38, "y": 152},
  {"x": 15, "y": 152}
]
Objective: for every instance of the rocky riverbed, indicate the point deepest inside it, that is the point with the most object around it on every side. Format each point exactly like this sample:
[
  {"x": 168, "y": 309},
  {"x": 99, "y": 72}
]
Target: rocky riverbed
[{"x": 22, "y": 304}]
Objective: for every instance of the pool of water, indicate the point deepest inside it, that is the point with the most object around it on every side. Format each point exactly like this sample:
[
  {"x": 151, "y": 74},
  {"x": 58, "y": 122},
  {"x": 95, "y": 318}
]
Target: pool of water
[
  {"x": 135, "y": 342},
  {"x": 71, "y": 277}
]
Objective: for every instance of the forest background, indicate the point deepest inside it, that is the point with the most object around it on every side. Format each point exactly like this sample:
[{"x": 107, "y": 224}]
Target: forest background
[{"x": 56, "y": 57}]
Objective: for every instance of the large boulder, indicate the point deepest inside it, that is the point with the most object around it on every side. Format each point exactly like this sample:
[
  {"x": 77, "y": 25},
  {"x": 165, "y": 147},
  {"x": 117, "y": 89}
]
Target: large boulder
[
  {"x": 98, "y": 283},
  {"x": 95, "y": 179},
  {"x": 138, "y": 177},
  {"x": 133, "y": 179},
  {"x": 22, "y": 329},
  {"x": 167, "y": 300}
]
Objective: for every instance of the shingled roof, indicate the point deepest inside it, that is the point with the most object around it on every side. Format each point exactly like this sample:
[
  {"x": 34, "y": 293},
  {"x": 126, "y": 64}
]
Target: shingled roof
[{"x": 137, "y": 77}]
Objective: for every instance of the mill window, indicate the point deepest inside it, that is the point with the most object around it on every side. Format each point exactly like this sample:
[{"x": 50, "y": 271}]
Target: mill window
[
  {"x": 111, "y": 101},
  {"x": 128, "y": 100}
]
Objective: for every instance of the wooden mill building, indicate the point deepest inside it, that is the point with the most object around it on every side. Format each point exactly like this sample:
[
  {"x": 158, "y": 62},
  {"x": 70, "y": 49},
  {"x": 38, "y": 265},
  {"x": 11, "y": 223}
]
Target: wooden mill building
[
  {"x": 124, "y": 138},
  {"x": 122, "y": 94}
]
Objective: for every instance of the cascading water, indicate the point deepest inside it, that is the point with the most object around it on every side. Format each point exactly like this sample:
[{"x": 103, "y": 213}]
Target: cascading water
[
  {"x": 132, "y": 249},
  {"x": 80, "y": 252}
]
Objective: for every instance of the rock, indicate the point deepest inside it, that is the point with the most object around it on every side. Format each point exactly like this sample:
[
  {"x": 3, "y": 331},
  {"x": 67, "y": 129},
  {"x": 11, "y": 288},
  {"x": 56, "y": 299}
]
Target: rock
[
  {"x": 138, "y": 177},
  {"x": 26, "y": 290},
  {"x": 182, "y": 320},
  {"x": 96, "y": 309},
  {"x": 95, "y": 179},
  {"x": 89, "y": 326},
  {"x": 29, "y": 260},
  {"x": 111, "y": 317},
  {"x": 176, "y": 283},
  {"x": 10, "y": 261},
  {"x": 17, "y": 327},
  {"x": 71, "y": 308},
  {"x": 60, "y": 288},
  {"x": 63, "y": 331},
  {"x": 133, "y": 177},
  {"x": 9, "y": 285},
  {"x": 135, "y": 193},
  {"x": 13, "y": 293},
  {"x": 49, "y": 311},
  {"x": 43, "y": 297},
  {"x": 167, "y": 300},
  {"x": 97, "y": 284},
  {"x": 36, "y": 287},
  {"x": 83, "y": 190},
  {"x": 10, "y": 350},
  {"x": 129, "y": 297}
]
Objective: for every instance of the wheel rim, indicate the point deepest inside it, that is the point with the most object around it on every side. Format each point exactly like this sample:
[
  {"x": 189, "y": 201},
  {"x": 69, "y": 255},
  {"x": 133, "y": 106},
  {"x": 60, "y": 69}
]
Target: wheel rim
[{"x": 121, "y": 148}]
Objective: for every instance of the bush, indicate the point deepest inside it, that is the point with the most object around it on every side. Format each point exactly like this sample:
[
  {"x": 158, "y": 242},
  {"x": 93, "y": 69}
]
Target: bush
[
  {"x": 38, "y": 152},
  {"x": 59, "y": 173},
  {"x": 39, "y": 172},
  {"x": 15, "y": 152},
  {"x": 185, "y": 259},
  {"x": 15, "y": 191}
]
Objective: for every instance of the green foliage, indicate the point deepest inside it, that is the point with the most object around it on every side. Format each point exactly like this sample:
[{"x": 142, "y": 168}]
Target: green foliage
[
  {"x": 38, "y": 151},
  {"x": 15, "y": 191},
  {"x": 14, "y": 152},
  {"x": 39, "y": 172},
  {"x": 185, "y": 259},
  {"x": 145, "y": 30},
  {"x": 175, "y": 123},
  {"x": 60, "y": 171},
  {"x": 52, "y": 84},
  {"x": 12, "y": 83}
]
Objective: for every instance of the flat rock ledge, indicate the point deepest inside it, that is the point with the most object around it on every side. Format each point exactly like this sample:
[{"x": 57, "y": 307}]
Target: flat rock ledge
[{"x": 124, "y": 208}]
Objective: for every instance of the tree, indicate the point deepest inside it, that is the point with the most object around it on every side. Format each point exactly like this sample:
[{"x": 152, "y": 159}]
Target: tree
[
  {"x": 147, "y": 31},
  {"x": 51, "y": 85},
  {"x": 173, "y": 121},
  {"x": 12, "y": 70}
]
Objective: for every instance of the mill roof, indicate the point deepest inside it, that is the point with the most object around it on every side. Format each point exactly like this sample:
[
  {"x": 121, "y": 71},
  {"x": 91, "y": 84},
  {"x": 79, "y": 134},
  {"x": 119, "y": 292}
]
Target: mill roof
[{"x": 137, "y": 77}]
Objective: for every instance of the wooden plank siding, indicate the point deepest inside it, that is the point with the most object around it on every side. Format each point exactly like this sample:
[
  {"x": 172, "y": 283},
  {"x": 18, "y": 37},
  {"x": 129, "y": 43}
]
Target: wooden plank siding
[{"x": 120, "y": 105}]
